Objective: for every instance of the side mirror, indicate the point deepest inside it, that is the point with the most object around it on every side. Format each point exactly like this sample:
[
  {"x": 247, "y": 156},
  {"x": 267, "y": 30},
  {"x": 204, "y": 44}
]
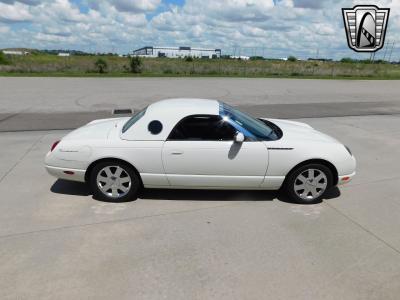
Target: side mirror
[{"x": 239, "y": 137}]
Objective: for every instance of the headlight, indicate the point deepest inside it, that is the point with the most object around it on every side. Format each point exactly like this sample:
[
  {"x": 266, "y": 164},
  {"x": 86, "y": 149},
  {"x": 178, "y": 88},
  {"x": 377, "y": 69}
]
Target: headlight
[{"x": 348, "y": 149}]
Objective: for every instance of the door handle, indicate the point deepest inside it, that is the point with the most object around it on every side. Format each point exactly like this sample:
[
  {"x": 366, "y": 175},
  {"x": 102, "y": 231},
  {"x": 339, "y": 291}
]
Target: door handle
[{"x": 176, "y": 152}]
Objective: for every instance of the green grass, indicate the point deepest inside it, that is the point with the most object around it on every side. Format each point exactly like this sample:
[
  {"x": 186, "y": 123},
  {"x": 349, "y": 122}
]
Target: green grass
[
  {"x": 155, "y": 75},
  {"x": 84, "y": 66}
]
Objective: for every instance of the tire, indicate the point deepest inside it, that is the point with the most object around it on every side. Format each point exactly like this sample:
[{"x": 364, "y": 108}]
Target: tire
[
  {"x": 114, "y": 181},
  {"x": 304, "y": 187}
]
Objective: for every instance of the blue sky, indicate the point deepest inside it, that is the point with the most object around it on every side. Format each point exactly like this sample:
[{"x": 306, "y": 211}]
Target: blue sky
[{"x": 273, "y": 28}]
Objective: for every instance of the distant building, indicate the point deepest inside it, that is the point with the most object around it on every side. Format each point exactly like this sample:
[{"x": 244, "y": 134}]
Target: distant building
[
  {"x": 15, "y": 52},
  {"x": 64, "y": 54},
  {"x": 177, "y": 52},
  {"x": 242, "y": 57}
]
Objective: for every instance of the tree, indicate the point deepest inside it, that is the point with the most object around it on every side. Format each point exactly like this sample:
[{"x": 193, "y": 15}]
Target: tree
[
  {"x": 347, "y": 60},
  {"x": 292, "y": 58},
  {"x": 3, "y": 59},
  {"x": 257, "y": 58},
  {"x": 135, "y": 64},
  {"x": 101, "y": 65}
]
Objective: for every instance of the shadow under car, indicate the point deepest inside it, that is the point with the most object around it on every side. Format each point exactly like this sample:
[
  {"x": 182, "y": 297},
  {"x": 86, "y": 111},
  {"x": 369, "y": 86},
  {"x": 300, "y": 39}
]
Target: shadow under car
[{"x": 81, "y": 189}]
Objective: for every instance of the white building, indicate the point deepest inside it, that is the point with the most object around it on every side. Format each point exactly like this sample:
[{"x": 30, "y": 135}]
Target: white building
[
  {"x": 241, "y": 57},
  {"x": 64, "y": 54},
  {"x": 177, "y": 52},
  {"x": 15, "y": 52}
]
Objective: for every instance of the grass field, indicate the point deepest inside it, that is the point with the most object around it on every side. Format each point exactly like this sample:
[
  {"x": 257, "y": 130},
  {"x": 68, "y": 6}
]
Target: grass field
[{"x": 51, "y": 65}]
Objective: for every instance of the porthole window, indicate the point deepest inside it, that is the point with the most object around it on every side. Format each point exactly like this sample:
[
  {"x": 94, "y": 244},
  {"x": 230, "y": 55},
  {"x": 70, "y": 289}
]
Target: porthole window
[{"x": 155, "y": 127}]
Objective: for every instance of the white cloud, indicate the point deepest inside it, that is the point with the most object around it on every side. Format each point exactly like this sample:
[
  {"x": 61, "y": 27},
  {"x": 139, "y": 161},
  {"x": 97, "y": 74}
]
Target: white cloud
[
  {"x": 136, "y": 6},
  {"x": 300, "y": 27},
  {"x": 16, "y": 12},
  {"x": 132, "y": 19},
  {"x": 62, "y": 10},
  {"x": 273, "y": 28},
  {"x": 4, "y": 29},
  {"x": 28, "y": 2},
  {"x": 54, "y": 38}
]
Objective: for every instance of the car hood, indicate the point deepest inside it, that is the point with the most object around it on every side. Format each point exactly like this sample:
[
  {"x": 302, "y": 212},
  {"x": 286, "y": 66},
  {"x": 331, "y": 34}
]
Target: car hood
[
  {"x": 97, "y": 129},
  {"x": 293, "y": 131}
]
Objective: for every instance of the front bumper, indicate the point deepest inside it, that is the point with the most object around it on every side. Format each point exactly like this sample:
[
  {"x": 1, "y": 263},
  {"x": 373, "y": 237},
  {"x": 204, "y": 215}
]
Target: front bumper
[
  {"x": 67, "y": 174},
  {"x": 346, "y": 178}
]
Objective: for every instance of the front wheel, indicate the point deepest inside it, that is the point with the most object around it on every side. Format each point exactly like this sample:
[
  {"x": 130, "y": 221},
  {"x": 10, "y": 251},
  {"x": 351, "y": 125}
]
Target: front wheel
[
  {"x": 114, "y": 182},
  {"x": 308, "y": 184}
]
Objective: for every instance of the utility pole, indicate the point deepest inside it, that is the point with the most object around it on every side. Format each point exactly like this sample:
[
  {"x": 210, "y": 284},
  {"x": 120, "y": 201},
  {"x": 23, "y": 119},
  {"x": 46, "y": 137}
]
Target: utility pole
[
  {"x": 386, "y": 49},
  {"x": 373, "y": 57},
  {"x": 391, "y": 52}
]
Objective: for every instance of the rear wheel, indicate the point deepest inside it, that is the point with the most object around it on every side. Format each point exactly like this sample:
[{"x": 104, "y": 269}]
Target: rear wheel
[
  {"x": 114, "y": 182},
  {"x": 308, "y": 184}
]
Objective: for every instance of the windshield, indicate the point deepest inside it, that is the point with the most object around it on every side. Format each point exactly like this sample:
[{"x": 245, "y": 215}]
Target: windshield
[
  {"x": 249, "y": 126},
  {"x": 136, "y": 117}
]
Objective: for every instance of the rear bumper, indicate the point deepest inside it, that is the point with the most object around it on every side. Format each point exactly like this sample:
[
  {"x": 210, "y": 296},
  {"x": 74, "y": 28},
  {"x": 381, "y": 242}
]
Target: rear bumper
[
  {"x": 67, "y": 174},
  {"x": 345, "y": 178}
]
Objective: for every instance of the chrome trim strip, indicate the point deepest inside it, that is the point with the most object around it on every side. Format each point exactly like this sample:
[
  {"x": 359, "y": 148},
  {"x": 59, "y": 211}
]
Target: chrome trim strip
[{"x": 272, "y": 148}]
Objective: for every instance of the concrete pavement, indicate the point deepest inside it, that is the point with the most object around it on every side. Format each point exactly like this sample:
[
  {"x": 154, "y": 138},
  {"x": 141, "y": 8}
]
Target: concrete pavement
[
  {"x": 57, "y": 242},
  {"x": 24, "y": 95},
  {"x": 34, "y": 121}
]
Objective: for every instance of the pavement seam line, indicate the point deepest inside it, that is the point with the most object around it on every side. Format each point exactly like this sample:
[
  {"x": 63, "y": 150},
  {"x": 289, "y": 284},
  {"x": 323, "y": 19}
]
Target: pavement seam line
[
  {"x": 364, "y": 228},
  {"x": 7, "y": 236},
  {"x": 295, "y": 118},
  {"x": 12, "y": 115},
  {"x": 36, "y": 130},
  {"x": 9, "y": 117},
  {"x": 22, "y": 157}
]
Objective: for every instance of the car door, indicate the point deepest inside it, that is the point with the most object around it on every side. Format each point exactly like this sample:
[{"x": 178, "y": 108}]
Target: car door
[{"x": 201, "y": 152}]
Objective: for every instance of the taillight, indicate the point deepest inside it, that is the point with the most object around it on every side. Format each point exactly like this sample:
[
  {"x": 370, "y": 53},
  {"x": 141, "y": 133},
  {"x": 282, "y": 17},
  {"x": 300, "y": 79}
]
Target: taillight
[{"x": 54, "y": 146}]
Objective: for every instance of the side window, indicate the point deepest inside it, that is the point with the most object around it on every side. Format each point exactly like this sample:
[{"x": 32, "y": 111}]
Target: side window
[
  {"x": 133, "y": 120},
  {"x": 202, "y": 128}
]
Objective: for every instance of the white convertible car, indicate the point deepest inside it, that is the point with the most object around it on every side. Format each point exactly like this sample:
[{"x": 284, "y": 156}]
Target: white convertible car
[{"x": 200, "y": 144}]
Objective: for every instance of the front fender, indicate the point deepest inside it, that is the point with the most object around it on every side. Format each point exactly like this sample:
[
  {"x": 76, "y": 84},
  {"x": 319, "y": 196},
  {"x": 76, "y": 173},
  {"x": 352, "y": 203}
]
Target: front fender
[{"x": 283, "y": 159}]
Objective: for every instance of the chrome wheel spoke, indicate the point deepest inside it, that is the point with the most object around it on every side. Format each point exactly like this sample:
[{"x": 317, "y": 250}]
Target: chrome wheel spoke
[
  {"x": 114, "y": 191},
  {"x": 319, "y": 177},
  {"x": 321, "y": 185},
  {"x": 108, "y": 172},
  {"x": 124, "y": 188},
  {"x": 314, "y": 192},
  {"x": 118, "y": 172},
  {"x": 107, "y": 186},
  {"x": 302, "y": 178},
  {"x": 306, "y": 191},
  {"x": 125, "y": 180},
  {"x": 103, "y": 178}
]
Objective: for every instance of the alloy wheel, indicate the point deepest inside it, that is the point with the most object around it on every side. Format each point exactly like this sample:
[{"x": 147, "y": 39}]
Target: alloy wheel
[
  {"x": 114, "y": 181},
  {"x": 310, "y": 184}
]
